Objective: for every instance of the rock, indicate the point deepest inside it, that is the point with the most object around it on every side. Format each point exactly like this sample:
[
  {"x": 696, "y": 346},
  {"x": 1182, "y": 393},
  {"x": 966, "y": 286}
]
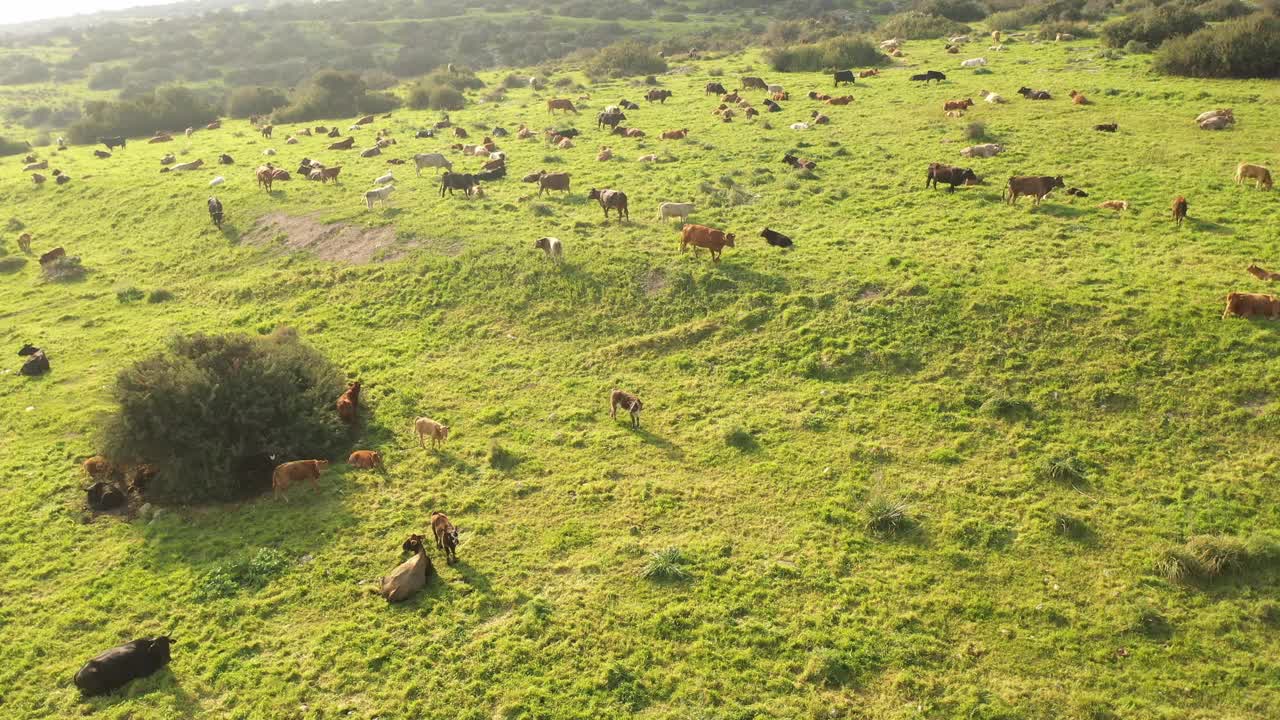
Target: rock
[{"x": 145, "y": 511}]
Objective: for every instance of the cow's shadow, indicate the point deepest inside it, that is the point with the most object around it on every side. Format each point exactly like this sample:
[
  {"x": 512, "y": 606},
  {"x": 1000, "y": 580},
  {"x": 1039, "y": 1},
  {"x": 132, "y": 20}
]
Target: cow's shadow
[
  {"x": 1210, "y": 226},
  {"x": 162, "y": 682},
  {"x": 1059, "y": 210},
  {"x": 672, "y": 450}
]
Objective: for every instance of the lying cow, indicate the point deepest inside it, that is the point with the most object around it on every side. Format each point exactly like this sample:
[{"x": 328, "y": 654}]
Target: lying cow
[
  {"x": 702, "y": 236},
  {"x": 1250, "y": 305},
  {"x": 365, "y": 459},
  {"x": 775, "y": 238},
  {"x": 952, "y": 176},
  {"x": 1030, "y": 94},
  {"x": 982, "y": 151},
  {"x": 119, "y": 666},
  {"x": 36, "y": 363},
  {"x": 1106, "y": 127},
  {"x": 411, "y": 575},
  {"x": 1262, "y": 274}
]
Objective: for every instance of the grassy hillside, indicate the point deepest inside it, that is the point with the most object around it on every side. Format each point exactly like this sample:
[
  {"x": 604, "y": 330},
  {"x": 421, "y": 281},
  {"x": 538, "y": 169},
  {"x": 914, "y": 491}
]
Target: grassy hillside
[{"x": 1051, "y": 393}]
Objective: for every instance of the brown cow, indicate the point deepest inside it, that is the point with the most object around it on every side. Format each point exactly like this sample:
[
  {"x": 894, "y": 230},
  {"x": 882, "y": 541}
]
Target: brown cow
[
  {"x": 868, "y": 73},
  {"x": 1078, "y": 98},
  {"x": 24, "y": 242},
  {"x": 1249, "y": 305},
  {"x": 291, "y": 472},
  {"x": 344, "y": 144},
  {"x": 611, "y": 200},
  {"x": 411, "y": 575},
  {"x": 552, "y": 181},
  {"x": 564, "y": 104},
  {"x": 715, "y": 88},
  {"x": 365, "y": 459},
  {"x": 331, "y": 173},
  {"x": 1261, "y": 274},
  {"x": 266, "y": 130},
  {"x": 266, "y": 175},
  {"x": 426, "y": 427},
  {"x": 98, "y": 467},
  {"x": 1179, "y": 210},
  {"x": 1035, "y": 186},
  {"x": 732, "y": 97},
  {"x": 626, "y": 401},
  {"x": 1254, "y": 172},
  {"x": 213, "y": 125},
  {"x": 446, "y": 536},
  {"x": 365, "y": 120},
  {"x": 349, "y": 403},
  {"x": 54, "y": 254},
  {"x": 675, "y": 134},
  {"x": 958, "y": 104},
  {"x": 656, "y": 95},
  {"x": 704, "y": 237},
  {"x": 845, "y": 100}
]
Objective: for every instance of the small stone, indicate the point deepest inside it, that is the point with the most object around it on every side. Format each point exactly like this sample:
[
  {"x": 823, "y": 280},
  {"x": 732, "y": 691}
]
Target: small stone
[
  {"x": 145, "y": 511},
  {"x": 305, "y": 559},
  {"x": 30, "y": 408}
]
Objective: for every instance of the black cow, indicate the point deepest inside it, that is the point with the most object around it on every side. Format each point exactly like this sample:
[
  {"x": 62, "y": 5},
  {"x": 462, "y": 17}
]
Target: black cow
[
  {"x": 568, "y": 132},
  {"x": 772, "y": 106},
  {"x": 118, "y": 666},
  {"x": 611, "y": 200},
  {"x": 225, "y": 159},
  {"x": 953, "y": 176},
  {"x": 776, "y": 239},
  {"x": 425, "y": 134},
  {"x": 456, "y": 181},
  {"x": 1077, "y": 192},
  {"x": 112, "y": 142},
  {"x": 716, "y": 88},
  {"x": 490, "y": 175},
  {"x": 1030, "y": 94},
  {"x": 104, "y": 496},
  {"x": 627, "y": 105},
  {"x": 925, "y": 77},
  {"x": 657, "y": 95},
  {"x": 37, "y": 362},
  {"x": 1106, "y": 127},
  {"x": 101, "y": 154},
  {"x": 844, "y": 76},
  {"x": 610, "y": 118},
  {"x": 215, "y": 212}
]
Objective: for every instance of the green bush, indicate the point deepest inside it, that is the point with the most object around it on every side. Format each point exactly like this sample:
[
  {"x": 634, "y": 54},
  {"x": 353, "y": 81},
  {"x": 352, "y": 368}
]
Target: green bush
[
  {"x": 666, "y": 564},
  {"x": 835, "y": 54},
  {"x": 65, "y": 268},
  {"x": 1152, "y": 26},
  {"x": 129, "y": 295},
  {"x": 226, "y": 580},
  {"x": 208, "y": 408},
  {"x": 625, "y": 59},
  {"x": 435, "y": 97},
  {"x": 459, "y": 78},
  {"x": 958, "y": 10},
  {"x": 1244, "y": 48},
  {"x": 257, "y": 100},
  {"x": 159, "y": 295},
  {"x": 1219, "y": 10},
  {"x": 332, "y": 94},
  {"x": 919, "y": 26},
  {"x": 169, "y": 107},
  {"x": 1050, "y": 30},
  {"x": 887, "y": 516},
  {"x": 11, "y": 147}
]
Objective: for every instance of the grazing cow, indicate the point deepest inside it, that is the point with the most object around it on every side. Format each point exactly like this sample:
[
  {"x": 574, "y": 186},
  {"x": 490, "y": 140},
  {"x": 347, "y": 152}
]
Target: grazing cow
[
  {"x": 1117, "y": 205},
  {"x": 845, "y": 100},
  {"x": 973, "y": 63},
  {"x": 118, "y": 666},
  {"x": 348, "y": 403},
  {"x": 344, "y": 144},
  {"x": 657, "y": 95},
  {"x": 1078, "y": 98},
  {"x": 704, "y": 237},
  {"x": 426, "y": 427},
  {"x": 611, "y": 200},
  {"x": 456, "y": 181},
  {"x": 925, "y": 77},
  {"x": 754, "y": 83},
  {"x": 42, "y": 165},
  {"x": 266, "y": 175},
  {"x": 626, "y": 401},
  {"x": 288, "y": 473},
  {"x": 193, "y": 165},
  {"x": 101, "y": 154},
  {"x": 36, "y": 363},
  {"x": 103, "y": 497},
  {"x": 378, "y": 195},
  {"x": 715, "y": 88},
  {"x": 446, "y": 536},
  {"x": 54, "y": 254},
  {"x": 1030, "y": 94},
  {"x": 24, "y": 242},
  {"x": 843, "y": 76},
  {"x": 680, "y": 211},
  {"x": 112, "y": 142},
  {"x": 552, "y": 181},
  {"x": 958, "y": 104},
  {"x": 1254, "y": 172},
  {"x": 554, "y": 104},
  {"x": 732, "y": 97},
  {"x": 1035, "y": 186},
  {"x": 327, "y": 174},
  {"x": 868, "y": 73},
  {"x": 985, "y": 150},
  {"x": 411, "y": 575},
  {"x": 371, "y": 152},
  {"x": 1106, "y": 127},
  {"x": 1261, "y": 274},
  {"x": 952, "y": 176},
  {"x": 1180, "y": 210},
  {"x": 1077, "y": 192},
  {"x": 799, "y": 163},
  {"x": 610, "y": 119},
  {"x": 675, "y": 134},
  {"x": 365, "y": 459},
  {"x": 215, "y": 212},
  {"x": 1249, "y": 305},
  {"x": 775, "y": 238},
  {"x": 553, "y": 248}
]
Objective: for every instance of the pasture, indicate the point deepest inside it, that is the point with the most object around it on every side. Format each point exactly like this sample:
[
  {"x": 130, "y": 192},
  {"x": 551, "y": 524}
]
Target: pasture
[{"x": 925, "y": 464}]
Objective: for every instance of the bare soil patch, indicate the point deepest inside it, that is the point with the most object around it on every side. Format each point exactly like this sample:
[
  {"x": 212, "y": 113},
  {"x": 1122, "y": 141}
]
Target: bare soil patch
[{"x": 338, "y": 242}]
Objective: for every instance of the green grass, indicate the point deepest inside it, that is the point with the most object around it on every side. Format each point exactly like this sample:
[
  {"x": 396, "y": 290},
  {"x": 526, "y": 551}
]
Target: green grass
[{"x": 861, "y": 359}]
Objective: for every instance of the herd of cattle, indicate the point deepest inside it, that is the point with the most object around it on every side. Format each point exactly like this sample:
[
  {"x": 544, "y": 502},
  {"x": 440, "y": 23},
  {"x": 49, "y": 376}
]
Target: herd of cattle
[{"x": 114, "y": 668}]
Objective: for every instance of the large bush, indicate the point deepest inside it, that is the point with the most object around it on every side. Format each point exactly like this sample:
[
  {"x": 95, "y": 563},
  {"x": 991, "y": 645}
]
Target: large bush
[
  {"x": 1218, "y": 10},
  {"x": 11, "y": 147},
  {"x": 1153, "y": 26},
  {"x": 332, "y": 94},
  {"x": 958, "y": 10},
  {"x": 1244, "y": 48},
  {"x": 256, "y": 100},
  {"x": 834, "y": 54},
  {"x": 625, "y": 59},
  {"x": 919, "y": 26},
  {"x": 170, "y": 108},
  {"x": 435, "y": 97},
  {"x": 209, "y": 411}
]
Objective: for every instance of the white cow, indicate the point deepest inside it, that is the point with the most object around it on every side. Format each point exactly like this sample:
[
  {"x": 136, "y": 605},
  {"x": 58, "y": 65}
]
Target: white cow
[
  {"x": 551, "y": 246},
  {"x": 480, "y": 151},
  {"x": 982, "y": 151},
  {"x": 435, "y": 160},
  {"x": 993, "y": 98},
  {"x": 193, "y": 165},
  {"x": 958, "y": 39},
  {"x": 217, "y": 181},
  {"x": 378, "y": 195},
  {"x": 973, "y": 63},
  {"x": 385, "y": 180},
  {"x": 800, "y": 126},
  {"x": 668, "y": 210},
  {"x": 1227, "y": 113},
  {"x": 269, "y": 152}
]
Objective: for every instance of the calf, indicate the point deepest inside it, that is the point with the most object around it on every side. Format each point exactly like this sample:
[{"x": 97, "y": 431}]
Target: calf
[
  {"x": 101, "y": 154},
  {"x": 1117, "y": 205},
  {"x": 365, "y": 459},
  {"x": 1179, "y": 210},
  {"x": 119, "y": 666},
  {"x": 610, "y": 119},
  {"x": 426, "y": 427},
  {"x": 1254, "y": 172},
  {"x": 215, "y": 212},
  {"x": 1035, "y": 186},
  {"x": 409, "y": 576},
  {"x": 611, "y": 200},
  {"x": 844, "y": 76},
  {"x": 446, "y": 536},
  {"x": 1078, "y": 98},
  {"x": 37, "y": 363},
  {"x": 1249, "y": 305},
  {"x": 775, "y": 238},
  {"x": 288, "y": 473},
  {"x": 24, "y": 242},
  {"x": 628, "y": 402},
  {"x": 952, "y": 176},
  {"x": 348, "y": 403},
  {"x": 958, "y": 104},
  {"x": 1261, "y": 274},
  {"x": 799, "y": 163},
  {"x": 702, "y": 236},
  {"x": 551, "y": 246}
]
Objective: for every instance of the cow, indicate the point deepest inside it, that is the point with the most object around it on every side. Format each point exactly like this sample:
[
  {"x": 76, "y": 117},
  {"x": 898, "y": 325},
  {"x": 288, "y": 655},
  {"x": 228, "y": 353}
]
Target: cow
[
  {"x": 456, "y": 181},
  {"x": 611, "y": 200},
  {"x": 776, "y": 239},
  {"x": 610, "y": 119},
  {"x": 371, "y": 152},
  {"x": 558, "y": 104},
  {"x": 1249, "y": 305},
  {"x": 38, "y": 179},
  {"x": 215, "y": 212},
  {"x": 426, "y": 427},
  {"x": 385, "y": 179},
  {"x": 628, "y": 105},
  {"x": 494, "y": 164},
  {"x": 1217, "y": 122},
  {"x": 800, "y": 126},
  {"x": 335, "y": 133},
  {"x": 958, "y": 104},
  {"x": 1030, "y": 94},
  {"x": 993, "y": 98},
  {"x": 973, "y": 63},
  {"x": 411, "y": 575},
  {"x": 1077, "y": 192},
  {"x": 213, "y": 125},
  {"x": 112, "y": 142},
  {"x": 365, "y": 459},
  {"x": 626, "y": 401},
  {"x": 490, "y": 175},
  {"x": 777, "y": 98},
  {"x": 24, "y": 242},
  {"x": 680, "y": 211},
  {"x": 799, "y": 163},
  {"x": 1063, "y": 37},
  {"x": 772, "y": 106},
  {"x": 552, "y": 247},
  {"x": 985, "y": 150},
  {"x": 868, "y": 73},
  {"x": 36, "y": 363},
  {"x": 193, "y": 165},
  {"x": 55, "y": 254},
  {"x": 552, "y": 181},
  {"x": 564, "y": 144},
  {"x": 62, "y": 179},
  {"x": 423, "y": 134},
  {"x": 1209, "y": 114},
  {"x": 605, "y": 154},
  {"x": 952, "y": 176},
  {"x": 1078, "y": 98},
  {"x": 119, "y": 666},
  {"x": 1179, "y": 210},
  {"x": 97, "y": 466},
  {"x": 378, "y": 195},
  {"x": 731, "y": 98},
  {"x": 367, "y": 119},
  {"x": 925, "y": 77},
  {"x": 288, "y": 473},
  {"x": 1117, "y": 205},
  {"x": 844, "y": 100},
  {"x": 344, "y": 144},
  {"x": 704, "y": 237},
  {"x": 675, "y": 134},
  {"x": 446, "y": 536},
  {"x": 775, "y": 89},
  {"x": 1262, "y": 274},
  {"x": 657, "y": 95},
  {"x": 327, "y": 174},
  {"x": 104, "y": 497},
  {"x": 103, "y": 154},
  {"x": 1106, "y": 127},
  {"x": 348, "y": 403},
  {"x": 754, "y": 83},
  {"x": 715, "y": 88},
  {"x": 1035, "y": 186},
  {"x": 1254, "y": 172},
  {"x": 42, "y": 165},
  {"x": 266, "y": 175},
  {"x": 843, "y": 76}
]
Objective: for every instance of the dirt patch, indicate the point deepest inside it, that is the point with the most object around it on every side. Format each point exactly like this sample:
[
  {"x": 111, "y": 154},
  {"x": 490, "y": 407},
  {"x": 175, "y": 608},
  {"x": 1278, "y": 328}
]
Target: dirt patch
[
  {"x": 338, "y": 242},
  {"x": 655, "y": 283}
]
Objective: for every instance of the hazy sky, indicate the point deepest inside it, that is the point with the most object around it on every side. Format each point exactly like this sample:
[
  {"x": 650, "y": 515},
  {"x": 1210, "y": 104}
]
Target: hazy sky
[{"x": 13, "y": 11}]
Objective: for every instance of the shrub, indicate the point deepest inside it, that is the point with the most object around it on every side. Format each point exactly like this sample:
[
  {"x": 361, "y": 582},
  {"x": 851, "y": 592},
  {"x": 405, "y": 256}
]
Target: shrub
[
  {"x": 1067, "y": 469},
  {"x": 958, "y": 10},
  {"x": 625, "y": 59},
  {"x": 246, "y": 101},
  {"x": 65, "y": 268},
  {"x": 741, "y": 439},
  {"x": 1207, "y": 557},
  {"x": 12, "y": 264},
  {"x": 513, "y": 81},
  {"x": 108, "y": 78},
  {"x": 1005, "y": 407},
  {"x": 886, "y": 516},
  {"x": 226, "y": 580},
  {"x": 919, "y": 26},
  {"x": 170, "y": 107},
  {"x": 1137, "y": 47},
  {"x": 159, "y": 295},
  {"x": 331, "y": 94},
  {"x": 976, "y": 131},
  {"x": 1051, "y": 30},
  {"x": 1219, "y": 10},
  {"x": 459, "y": 78},
  {"x": 129, "y": 295},
  {"x": 837, "y": 53},
  {"x": 11, "y": 147},
  {"x": 666, "y": 564},
  {"x": 447, "y": 98},
  {"x": 1244, "y": 48},
  {"x": 210, "y": 411},
  {"x": 1152, "y": 26}
]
